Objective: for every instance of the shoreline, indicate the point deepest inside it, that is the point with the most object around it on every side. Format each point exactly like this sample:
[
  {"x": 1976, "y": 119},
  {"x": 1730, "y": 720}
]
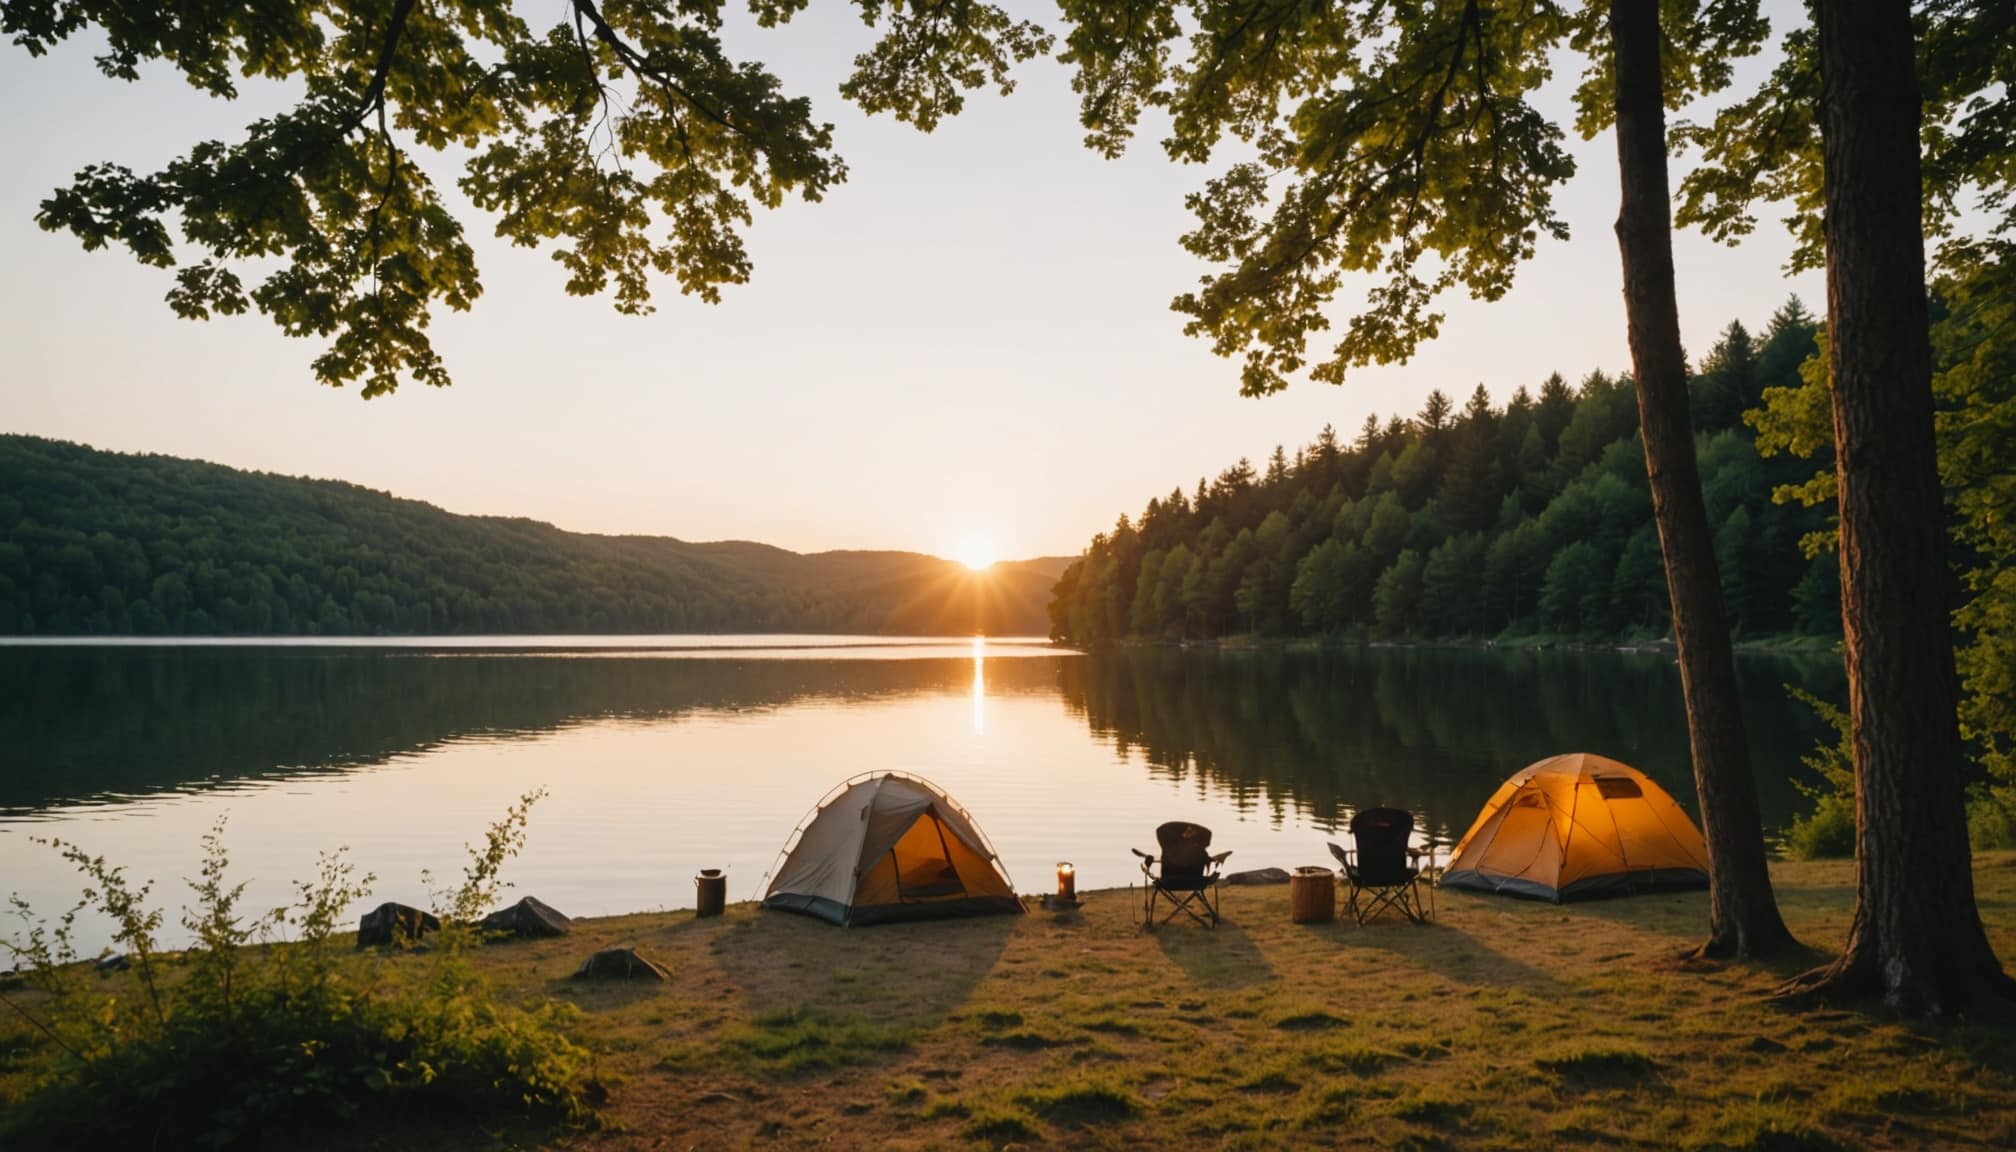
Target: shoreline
[{"x": 1774, "y": 645}]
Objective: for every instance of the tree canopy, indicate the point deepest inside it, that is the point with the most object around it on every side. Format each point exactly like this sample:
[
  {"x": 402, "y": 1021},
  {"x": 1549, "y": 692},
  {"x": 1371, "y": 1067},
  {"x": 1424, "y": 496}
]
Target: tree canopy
[{"x": 622, "y": 136}]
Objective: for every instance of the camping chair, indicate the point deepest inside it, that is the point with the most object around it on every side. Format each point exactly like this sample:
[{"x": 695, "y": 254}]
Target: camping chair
[
  {"x": 1188, "y": 878},
  {"x": 1384, "y": 869}
]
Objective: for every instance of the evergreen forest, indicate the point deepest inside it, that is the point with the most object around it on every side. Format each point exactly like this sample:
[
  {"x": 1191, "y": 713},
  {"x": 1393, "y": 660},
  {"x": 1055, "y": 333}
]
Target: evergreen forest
[
  {"x": 101, "y": 543},
  {"x": 1532, "y": 521},
  {"x": 1526, "y": 519}
]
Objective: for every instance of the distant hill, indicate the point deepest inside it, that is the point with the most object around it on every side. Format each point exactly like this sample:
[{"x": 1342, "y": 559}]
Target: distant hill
[{"x": 98, "y": 542}]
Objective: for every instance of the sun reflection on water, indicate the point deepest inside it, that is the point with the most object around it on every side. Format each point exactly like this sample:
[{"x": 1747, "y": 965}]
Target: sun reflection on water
[{"x": 979, "y": 686}]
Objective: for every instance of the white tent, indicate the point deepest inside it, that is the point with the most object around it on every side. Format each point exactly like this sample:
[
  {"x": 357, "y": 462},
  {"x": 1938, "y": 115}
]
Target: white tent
[{"x": 890, "y": 846}]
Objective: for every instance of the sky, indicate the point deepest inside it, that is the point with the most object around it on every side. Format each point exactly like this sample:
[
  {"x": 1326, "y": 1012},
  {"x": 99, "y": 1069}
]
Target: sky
[{"x": 967, "y": 346}]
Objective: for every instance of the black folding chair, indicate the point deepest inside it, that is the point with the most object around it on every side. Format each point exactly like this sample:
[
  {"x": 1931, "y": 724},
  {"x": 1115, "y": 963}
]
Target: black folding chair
[
  {"x": 1187, "y": 878},
  {"x": 1384, "y": 869}
]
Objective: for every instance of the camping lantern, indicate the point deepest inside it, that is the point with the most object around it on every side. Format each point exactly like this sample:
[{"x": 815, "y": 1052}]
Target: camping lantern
[{"x": 1067, "y": 882}]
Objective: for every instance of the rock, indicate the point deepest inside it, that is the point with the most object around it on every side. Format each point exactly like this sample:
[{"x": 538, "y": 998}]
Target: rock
[
  {"x": 392, "y": 921},
  {"x": 528, "y": 918},
  {"x": 620, "y": 964},
  {"x": 110, "y": 964},
  {"x": 1258, "y": 876}
]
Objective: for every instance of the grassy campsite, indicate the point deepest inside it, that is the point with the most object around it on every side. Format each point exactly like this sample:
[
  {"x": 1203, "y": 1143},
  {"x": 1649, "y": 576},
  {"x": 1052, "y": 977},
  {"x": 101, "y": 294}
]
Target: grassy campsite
[{"x": 1500, "y": 1024}]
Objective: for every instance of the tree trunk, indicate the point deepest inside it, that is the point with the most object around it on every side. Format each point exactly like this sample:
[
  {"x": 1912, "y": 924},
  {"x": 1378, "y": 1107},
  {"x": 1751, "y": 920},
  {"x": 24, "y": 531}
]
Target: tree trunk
[
  {"x": 1916, "y": 940},
  {"x": 1743, "y": 915}
]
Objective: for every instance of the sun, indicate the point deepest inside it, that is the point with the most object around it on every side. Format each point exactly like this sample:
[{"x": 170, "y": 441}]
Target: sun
[{"x": 976, "y": 552}]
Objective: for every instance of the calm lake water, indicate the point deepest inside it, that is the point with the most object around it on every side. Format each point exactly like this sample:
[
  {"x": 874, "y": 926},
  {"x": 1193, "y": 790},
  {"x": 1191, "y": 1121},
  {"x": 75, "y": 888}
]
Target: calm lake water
[{"x": 661, "y": 756}]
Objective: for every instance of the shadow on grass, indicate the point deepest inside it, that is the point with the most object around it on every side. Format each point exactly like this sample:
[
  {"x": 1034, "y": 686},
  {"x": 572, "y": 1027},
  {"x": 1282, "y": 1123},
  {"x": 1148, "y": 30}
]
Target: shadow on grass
[
  {"x": 1453, "y": 953},
  {"x": 1682, "y": 915},
  {"x": 908, "y": 975},
  {"x": 1221, "y": 957}
]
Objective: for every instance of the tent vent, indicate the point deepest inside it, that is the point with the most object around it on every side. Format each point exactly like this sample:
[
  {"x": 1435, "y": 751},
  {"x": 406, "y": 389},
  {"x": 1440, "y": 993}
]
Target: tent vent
[{"x": 1618, "y": 788}]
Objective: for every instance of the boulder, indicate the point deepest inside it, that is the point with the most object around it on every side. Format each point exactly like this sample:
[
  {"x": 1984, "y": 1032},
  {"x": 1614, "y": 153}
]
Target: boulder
[
  {"x": 620, "y": 964},
  {"x": 1258, "y": 876},
  {"x": 528, "y": 919},
  {"x": 392, "y": 921}
]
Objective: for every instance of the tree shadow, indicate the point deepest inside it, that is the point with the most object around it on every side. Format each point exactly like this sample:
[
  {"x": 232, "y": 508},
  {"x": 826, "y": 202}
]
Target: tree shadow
[
  {"x": 1682, "y": 914},
  {"x": 910, "y": 975},
  {"x": 1453, "y": 953},
  {"x": 1221, "y": 957}
]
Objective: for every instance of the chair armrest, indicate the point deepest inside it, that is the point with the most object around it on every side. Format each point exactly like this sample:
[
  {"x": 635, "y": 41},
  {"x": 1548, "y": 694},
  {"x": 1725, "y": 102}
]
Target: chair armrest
[
  {"x": 1145, "y": 857},
  {"x": 1342, "y": 854},
  {"x": 1218, "y": 858}
]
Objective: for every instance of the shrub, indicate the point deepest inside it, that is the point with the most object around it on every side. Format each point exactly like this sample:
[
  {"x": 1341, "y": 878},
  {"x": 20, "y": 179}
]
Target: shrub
[
  {"x": 1991, "y": 817},
  {"x": 230, "y": 1044},
  {"x": 1829, "y": 830},
  {"x": 1826, "y": 833}
]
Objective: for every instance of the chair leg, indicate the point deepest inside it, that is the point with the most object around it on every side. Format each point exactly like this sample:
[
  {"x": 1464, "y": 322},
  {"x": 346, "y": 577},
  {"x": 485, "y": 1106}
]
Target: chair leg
[
  {"x": 1405, "y": 899},
  {"x": 1200, "y": 904}
]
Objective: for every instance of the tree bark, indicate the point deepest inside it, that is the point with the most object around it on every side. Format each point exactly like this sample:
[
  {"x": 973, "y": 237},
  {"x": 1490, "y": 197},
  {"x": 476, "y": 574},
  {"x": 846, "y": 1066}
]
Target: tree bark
[
  {"x": 1743, "y": 914},
  {"x": 1916, "y": 939}
]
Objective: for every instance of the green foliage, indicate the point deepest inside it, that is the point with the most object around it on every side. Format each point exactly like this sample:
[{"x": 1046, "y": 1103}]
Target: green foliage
[
  {"x": 101, "y": 543},
  {"x": 1991, "y": 817},
  {"x": 1765, "y": 147},
  {"x": 233, "y": 1045},
  {"x": 622, "y": 135},
  {"x": 1828, "y": 832},
  {"x": 1975, "y": 346},
  {"x": 1372, "y": 136},
  {"x": 1477, "y": 522},
  {"x": 1974, "y": 386},
  {"x": 1401, "y": 144}
]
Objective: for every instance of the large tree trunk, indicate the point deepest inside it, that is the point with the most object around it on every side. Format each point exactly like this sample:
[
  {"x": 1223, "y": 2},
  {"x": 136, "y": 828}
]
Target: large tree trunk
[
  {"x": 1743, "y": 915},
  {"x": 1916, "y": 940}
]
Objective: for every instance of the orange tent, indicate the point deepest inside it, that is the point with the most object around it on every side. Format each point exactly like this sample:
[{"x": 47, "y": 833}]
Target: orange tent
[{"x": 1579, "y": 825}]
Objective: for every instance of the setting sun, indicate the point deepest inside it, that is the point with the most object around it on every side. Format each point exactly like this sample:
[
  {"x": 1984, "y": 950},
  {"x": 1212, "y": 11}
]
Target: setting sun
[{"x": 976, "y": 552}]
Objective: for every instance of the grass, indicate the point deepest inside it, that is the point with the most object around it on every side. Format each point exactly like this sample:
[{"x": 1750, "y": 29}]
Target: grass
[
  {"x": 794, "y": 1041},
  {"x": 1504, "y": 1025}
]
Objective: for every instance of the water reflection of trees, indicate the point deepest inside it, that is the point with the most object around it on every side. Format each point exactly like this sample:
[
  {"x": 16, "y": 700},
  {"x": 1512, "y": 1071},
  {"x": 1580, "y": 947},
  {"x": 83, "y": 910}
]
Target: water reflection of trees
[
  {"x": 81, "y": 723},
  {"x": 1434, "y": 731},
  {"x": 1315, "y": 732}
]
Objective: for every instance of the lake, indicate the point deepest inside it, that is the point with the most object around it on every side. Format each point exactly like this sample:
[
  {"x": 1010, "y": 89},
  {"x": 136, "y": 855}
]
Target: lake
[{"x": 664, "y": 755}]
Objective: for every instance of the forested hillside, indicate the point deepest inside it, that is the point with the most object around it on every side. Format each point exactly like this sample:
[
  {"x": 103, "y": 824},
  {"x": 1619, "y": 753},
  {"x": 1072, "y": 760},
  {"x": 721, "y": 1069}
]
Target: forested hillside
[
  {"x": 1481, "y": 521},
  {"x": 102, "y": 543}
]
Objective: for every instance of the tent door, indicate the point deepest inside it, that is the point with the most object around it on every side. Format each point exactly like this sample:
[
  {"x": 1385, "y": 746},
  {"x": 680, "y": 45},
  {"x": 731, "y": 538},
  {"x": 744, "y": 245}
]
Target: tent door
[{"x": 920, "y": 873}]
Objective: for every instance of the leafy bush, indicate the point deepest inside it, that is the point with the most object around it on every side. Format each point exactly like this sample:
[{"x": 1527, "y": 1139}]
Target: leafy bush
[
  {"x": 1828, "y": 832},
  {"x": 232, "y": 1044},
  {"x": 1991, "y": 817}
]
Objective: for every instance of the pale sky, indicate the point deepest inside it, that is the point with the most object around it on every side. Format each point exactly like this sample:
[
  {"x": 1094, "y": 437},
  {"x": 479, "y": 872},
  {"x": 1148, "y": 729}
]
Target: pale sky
[{"x": 971, "y": 337}]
